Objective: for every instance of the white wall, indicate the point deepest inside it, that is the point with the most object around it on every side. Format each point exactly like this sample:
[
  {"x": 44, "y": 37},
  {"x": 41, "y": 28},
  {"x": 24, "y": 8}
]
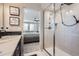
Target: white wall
[
  {"x": 7, "y": 15},
  {"x": 1, "y": 15},
  {"x": 30, "y": 14},
  {"x": 67, "y": 38}
]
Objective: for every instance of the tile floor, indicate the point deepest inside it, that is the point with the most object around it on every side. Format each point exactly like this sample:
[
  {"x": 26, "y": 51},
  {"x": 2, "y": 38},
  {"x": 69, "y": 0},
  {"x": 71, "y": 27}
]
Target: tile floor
[
  {"x": 33, "y": 48},
  {"x": 39, "y": 53}
]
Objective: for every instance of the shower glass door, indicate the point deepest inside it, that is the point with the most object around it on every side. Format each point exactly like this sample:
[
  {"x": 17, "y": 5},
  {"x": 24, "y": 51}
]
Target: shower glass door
[{"x": 49, "y": 27}]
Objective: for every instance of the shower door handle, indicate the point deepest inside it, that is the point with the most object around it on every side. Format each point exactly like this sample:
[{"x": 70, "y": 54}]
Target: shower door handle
[{"x": 49, "y": 27}]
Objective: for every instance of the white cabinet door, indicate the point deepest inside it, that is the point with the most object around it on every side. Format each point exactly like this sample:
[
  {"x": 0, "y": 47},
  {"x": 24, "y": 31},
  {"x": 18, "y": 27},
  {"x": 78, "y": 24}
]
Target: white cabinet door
[{"x": 1, "y": 16}]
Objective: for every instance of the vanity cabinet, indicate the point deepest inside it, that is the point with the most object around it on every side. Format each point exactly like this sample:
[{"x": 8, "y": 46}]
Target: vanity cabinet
[{"x": 18, "y": 51}]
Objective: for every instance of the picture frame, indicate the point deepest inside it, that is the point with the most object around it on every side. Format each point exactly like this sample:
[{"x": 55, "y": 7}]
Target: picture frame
[
  {"x": 15, "y": 11},
  {"x": 14, "y": 21}
]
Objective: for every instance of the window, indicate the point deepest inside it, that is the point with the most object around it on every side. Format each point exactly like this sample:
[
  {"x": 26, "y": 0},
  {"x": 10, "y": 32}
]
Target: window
[
  {"x": 26, "y": 27},
  {"x": 31, "y": 27}
]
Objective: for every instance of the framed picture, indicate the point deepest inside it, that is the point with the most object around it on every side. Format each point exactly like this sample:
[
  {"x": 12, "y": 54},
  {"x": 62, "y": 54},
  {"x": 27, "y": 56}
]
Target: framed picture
[
  {"x": 15, "y": 11},
  {"x": 14, "y": 21}
]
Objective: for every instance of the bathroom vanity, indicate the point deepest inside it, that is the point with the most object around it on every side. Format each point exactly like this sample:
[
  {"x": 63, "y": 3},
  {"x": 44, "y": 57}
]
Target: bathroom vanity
[
  {"x": 10, "y": 45},
  {"x": 10, "y": 41}
]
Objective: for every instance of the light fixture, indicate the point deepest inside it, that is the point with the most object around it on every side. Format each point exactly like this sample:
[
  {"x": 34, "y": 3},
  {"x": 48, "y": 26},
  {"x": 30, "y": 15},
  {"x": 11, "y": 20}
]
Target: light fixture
[
  {"x": 70, "y": 11},
  {"x": 67, "y": 12}
]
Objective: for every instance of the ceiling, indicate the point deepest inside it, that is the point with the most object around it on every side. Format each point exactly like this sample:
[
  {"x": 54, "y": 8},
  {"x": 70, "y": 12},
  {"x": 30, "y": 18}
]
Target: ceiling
[{"x": 50, "y": 6}]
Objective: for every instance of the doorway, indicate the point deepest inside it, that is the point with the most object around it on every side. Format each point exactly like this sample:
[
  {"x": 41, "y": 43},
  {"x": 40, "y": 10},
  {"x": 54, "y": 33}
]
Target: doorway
[{"x": 31, "y": 30}]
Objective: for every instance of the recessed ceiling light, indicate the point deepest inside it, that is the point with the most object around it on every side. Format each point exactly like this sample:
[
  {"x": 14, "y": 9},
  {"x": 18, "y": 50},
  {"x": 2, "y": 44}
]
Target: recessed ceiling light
[
  {"x": 67, "y": 12},
  {"x": 70, "y": 11}
]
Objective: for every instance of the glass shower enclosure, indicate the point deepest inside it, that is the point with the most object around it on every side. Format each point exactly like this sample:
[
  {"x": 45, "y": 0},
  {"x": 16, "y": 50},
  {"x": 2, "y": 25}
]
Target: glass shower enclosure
[{"x": 49, "y": 29}]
